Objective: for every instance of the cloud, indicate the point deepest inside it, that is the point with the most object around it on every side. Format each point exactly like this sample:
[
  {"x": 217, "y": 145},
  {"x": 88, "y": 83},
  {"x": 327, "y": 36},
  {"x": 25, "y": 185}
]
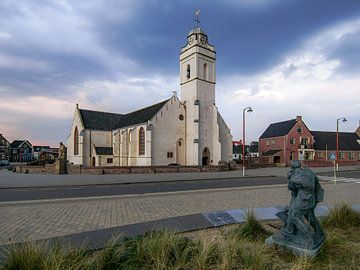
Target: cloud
[{"x": 307, "y": 83}]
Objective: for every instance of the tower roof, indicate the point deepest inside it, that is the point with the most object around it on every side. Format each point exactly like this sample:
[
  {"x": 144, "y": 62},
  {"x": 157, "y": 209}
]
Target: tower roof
[{"x": 197, "y": 30}]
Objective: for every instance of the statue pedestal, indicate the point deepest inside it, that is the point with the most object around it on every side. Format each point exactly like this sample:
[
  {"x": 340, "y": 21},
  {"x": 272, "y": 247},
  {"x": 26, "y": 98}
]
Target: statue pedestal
[
  {"x": 60, "y": 166},
  {"x": 310, "y": 253}
]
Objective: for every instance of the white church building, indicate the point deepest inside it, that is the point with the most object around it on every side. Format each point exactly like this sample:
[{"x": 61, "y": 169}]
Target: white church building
[{"x": 187, "y": 130}]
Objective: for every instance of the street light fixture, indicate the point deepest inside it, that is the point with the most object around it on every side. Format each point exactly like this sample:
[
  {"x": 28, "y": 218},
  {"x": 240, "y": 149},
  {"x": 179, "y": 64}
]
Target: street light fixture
[
  {"x": 247, "y": 109},
  {"x": 337, "y": 139}
]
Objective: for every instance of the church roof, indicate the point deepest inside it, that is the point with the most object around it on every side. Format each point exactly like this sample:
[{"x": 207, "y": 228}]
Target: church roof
[{"x": 109, "y": 121}]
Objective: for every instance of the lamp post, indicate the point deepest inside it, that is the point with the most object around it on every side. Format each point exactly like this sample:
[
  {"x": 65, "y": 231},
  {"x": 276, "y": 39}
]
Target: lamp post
[
  {"x": 247, "y": 109},
  {"x": 337, "y": 140}
]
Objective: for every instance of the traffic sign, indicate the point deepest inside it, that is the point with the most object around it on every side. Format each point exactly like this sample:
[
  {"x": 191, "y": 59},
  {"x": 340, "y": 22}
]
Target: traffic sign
[{"x": 332, "y": 156}]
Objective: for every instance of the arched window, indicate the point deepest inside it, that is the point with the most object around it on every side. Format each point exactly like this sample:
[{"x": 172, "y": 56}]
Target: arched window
[
  {"x": 188, "y": 71},
  {"x": 141, "y": 141},
  {"x": 205, "y": 71},
  {"x": 76, "y": 141}
]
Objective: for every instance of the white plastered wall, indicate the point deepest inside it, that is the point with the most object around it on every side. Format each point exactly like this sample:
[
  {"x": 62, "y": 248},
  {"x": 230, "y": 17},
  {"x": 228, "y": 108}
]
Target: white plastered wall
[{"x": 167, "y": 129}]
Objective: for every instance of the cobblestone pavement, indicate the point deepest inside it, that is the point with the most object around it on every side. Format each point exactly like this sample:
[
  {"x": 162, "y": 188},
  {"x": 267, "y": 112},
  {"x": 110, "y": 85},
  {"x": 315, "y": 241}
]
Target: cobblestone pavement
[{"x": 37, "y": 220}]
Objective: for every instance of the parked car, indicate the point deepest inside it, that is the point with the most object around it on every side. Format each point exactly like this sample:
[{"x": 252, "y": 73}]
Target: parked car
[{"x": 4, "y": 163}]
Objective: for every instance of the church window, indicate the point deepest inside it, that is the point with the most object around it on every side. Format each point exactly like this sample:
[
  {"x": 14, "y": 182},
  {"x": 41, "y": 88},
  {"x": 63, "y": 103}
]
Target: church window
[
  {"x": 169, "y": 154},
  {"x": 141, "y": 141},
  {"x": 188, "y": 71},
  {"x": 205, "y": 69},
  {"x": 181, "y": 117},
  {"x": 76, "y": 141},
  {"x": 179, "y": 143}
]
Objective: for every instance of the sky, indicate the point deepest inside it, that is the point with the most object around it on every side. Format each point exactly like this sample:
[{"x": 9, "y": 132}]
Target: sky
[{"x": 281, "y": 57}]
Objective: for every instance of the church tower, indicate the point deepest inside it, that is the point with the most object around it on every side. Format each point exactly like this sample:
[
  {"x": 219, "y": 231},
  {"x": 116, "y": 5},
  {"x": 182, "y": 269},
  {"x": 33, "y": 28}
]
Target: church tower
[{"x": 197, "y": 83}]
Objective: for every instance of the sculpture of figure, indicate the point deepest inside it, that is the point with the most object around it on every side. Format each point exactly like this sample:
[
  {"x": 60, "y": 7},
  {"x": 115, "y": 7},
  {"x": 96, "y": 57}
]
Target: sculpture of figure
[
  {"x": 301, "y": 228},
  {"x": 62, "y": 151}
]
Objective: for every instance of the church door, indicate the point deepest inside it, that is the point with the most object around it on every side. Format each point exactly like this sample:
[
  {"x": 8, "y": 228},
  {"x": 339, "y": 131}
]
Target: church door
[
  {"x": 93, "y": 162},
  {"x": 180, "y": 152},
  {"x": 206, "y": 157}
]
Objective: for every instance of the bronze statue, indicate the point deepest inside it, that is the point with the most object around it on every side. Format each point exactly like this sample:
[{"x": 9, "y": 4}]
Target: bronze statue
[{"x": 301, "y": 232}]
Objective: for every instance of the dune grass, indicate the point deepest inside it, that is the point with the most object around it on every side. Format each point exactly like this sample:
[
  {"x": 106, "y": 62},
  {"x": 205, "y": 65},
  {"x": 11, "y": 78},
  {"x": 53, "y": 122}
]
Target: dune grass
[{"x": 227, "y": 248}]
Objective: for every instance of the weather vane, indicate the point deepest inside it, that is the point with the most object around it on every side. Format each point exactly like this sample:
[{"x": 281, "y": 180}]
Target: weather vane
[{"x": 197, "y": 14}]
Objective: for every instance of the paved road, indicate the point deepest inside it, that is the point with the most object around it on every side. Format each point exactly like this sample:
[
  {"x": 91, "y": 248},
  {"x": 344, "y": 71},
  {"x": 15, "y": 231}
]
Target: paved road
[{"x": 40, "y": 193}]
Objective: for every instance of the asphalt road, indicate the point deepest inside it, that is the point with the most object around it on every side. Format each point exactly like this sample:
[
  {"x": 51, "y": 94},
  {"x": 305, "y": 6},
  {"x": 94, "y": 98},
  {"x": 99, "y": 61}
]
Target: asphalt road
[{"x": 40, "y": 193}]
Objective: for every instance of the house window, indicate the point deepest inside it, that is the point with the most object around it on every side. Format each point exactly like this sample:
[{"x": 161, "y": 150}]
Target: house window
[
  {"x": 292, "y": 141},
  {"x": 109, "y": 161},
  {"x": 76, "y": 141},
  {"x": 359, "y": 156},
  {"x": 267, "y": 142},
  {"x": 351, "y": 155},
  {"x": 169, "y": 154},
  {"x": 141, "y": 141},
  {"x": 188, "y": 71},
  {"x": 272, "y": 141},
  {"x": 205, "y": 71},
  {"x": 341, "y": 155},
  {"x": 321, "y": 154},
  {"x": 299, "y": 129}
]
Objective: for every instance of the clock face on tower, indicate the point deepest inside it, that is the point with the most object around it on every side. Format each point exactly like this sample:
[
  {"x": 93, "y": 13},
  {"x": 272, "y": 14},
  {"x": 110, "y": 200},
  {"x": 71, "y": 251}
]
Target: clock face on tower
[
  {"x": 190, "y": 40},
  {"x": 203, "y": 40}
]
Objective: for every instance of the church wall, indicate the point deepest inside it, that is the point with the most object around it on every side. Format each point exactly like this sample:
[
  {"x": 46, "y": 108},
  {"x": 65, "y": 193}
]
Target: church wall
[
  {"x": 75, "y": 159},
  {"x": 126, "y": 143},
  {"x": 225, "y": 138},
  {"x": 167, "y": 129}
]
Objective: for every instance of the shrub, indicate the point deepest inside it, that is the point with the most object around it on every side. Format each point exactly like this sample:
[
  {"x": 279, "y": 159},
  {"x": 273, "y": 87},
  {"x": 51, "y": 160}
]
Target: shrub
[{"x": 341, "y": 216}]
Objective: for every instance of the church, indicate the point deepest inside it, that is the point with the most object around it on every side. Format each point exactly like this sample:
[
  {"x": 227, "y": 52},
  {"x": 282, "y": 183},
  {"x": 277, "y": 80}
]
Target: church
[{"x": 186, "y": 130}]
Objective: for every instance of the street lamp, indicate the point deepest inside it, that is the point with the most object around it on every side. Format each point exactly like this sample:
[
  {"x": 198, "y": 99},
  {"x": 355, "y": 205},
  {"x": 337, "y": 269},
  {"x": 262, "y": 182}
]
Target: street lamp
[
  {"x": 247, "y": 109},
  {"x": 337, "y": 139}
]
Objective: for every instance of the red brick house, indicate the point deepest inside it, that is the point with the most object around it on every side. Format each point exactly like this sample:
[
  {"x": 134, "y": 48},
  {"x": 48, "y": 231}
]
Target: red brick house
[
  {"x": 285, "y": 141},
  {"x": 325, "y": 143}
]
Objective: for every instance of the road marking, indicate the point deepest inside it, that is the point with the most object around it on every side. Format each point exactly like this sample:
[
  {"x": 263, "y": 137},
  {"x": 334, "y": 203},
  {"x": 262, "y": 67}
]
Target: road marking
[{"x": 340, "y": 179}]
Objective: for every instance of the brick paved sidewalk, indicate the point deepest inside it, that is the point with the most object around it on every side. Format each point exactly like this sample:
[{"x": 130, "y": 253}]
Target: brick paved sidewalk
[{"x": 37, "y": 220}]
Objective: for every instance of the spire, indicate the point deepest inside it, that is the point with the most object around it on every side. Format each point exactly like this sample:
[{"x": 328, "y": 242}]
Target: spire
[{"x": 197, "y": 15}]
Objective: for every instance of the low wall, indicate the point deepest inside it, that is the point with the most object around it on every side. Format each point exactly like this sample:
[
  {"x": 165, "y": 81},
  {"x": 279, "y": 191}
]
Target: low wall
[
  {"x": 79, "y": 169},
  {"x": 47, "y": 169},
  {"x": 328, "y": 163}
]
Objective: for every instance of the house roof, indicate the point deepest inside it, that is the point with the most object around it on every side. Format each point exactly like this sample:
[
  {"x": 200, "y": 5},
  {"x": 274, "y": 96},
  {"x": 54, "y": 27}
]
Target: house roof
[
  {"x": 17, "y": 143},
  {"x": 109, "y": 121},
  {"x": 237, "y": 149},
  {"x": 270, "y": 152},
  {"x": 106, "y": 151},
  {"x": 278, "y": 129},
  {"x": 327, "y": 140}
]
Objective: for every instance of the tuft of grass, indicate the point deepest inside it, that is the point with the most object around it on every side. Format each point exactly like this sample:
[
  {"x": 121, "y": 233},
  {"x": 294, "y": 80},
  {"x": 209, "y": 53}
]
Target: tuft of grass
[
  {"x": 341, "y": 216},
  {"x": 29, "y": 256},
  {"x": 252, "y": 229},
  {"x": 206, "y": 254}
]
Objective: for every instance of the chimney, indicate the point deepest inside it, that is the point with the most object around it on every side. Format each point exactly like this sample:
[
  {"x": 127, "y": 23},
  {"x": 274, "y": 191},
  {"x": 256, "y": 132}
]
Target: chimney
[{"x": 298, "y": 118}]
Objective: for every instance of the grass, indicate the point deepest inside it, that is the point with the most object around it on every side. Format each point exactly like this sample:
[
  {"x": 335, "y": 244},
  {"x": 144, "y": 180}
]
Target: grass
[
  {"x": 228, "y": 248},
  {"x": 341, "y": 216}
]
